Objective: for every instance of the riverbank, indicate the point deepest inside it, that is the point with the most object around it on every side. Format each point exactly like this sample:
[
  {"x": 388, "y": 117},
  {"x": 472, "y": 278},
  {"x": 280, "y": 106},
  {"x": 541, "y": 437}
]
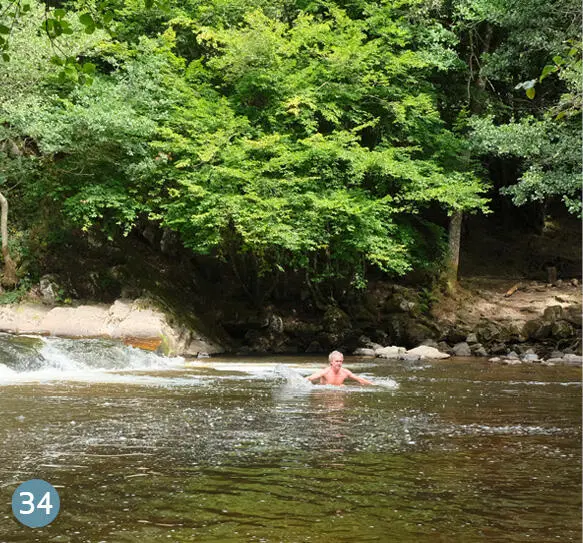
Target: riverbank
[{"x": 487, "y": 317}]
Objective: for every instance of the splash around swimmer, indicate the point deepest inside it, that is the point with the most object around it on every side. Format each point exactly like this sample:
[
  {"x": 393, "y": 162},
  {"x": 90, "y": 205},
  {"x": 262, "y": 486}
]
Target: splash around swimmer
[{"x": 335, "y": 374}]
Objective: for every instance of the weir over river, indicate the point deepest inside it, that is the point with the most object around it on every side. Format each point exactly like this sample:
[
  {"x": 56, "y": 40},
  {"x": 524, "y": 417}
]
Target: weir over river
[{"x": 143, "y": 448}]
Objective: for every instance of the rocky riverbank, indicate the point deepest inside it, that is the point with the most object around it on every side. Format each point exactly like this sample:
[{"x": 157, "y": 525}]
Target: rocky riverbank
[
  {"x": 135, "y": 322},
  {"x": 505, "y": 321}
]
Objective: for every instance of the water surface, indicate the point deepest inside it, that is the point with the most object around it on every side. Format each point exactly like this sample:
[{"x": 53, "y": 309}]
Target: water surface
[{"x": 143, "y": 448}]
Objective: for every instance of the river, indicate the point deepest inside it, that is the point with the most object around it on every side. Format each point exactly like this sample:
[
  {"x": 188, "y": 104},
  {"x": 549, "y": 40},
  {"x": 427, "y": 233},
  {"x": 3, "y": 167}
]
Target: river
[{"x": 143, "y": 448}]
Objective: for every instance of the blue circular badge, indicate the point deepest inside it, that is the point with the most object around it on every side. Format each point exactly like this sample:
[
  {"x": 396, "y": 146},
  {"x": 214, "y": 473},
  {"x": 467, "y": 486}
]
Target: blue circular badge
[{"x": 35, "y": 503}]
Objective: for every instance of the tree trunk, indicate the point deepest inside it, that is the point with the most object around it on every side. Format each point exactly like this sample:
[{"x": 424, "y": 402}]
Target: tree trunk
[
  {"x": 9, "y": 277},
  {"x": 455, "y": 234}
]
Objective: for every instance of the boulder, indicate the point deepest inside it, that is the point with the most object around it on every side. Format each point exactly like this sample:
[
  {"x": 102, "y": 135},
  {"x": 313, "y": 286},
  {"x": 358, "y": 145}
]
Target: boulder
[
  {"x": 511, "y": 362},
  {"x": 426, "y": 352},
  {"x": 537, "y": 329},
  {"x": 487, "y": 332},
  {"x": 530, "y": 357},
  {"x": 409, "y": 357},
  {"x": 49, "y": 289},
  {"x": 362, "y": 351},
  {"x": 562, "y": 329},
  {"x": 389, "y": 352},
  {"x": 480, "y": 351},
  {"x": 573, "y": 315},
  {"x": 472, "y": 338},
  {"x": 572, "y": 359},
  {"x": 553, "y": 313},
  {"x": 444, "y": 347},
  {"x": 498, "y": 348},
  {"x": 135, "y": 323},
  {"x": 462, "y": 349}
]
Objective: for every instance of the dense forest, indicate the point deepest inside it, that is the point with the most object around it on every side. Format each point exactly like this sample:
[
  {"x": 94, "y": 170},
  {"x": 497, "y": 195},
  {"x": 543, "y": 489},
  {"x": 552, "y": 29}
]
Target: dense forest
[{"x": 312, "y": 142}]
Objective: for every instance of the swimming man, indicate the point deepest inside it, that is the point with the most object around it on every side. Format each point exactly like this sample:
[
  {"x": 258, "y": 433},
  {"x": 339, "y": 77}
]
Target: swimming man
[{"x": 335, "y": 374}]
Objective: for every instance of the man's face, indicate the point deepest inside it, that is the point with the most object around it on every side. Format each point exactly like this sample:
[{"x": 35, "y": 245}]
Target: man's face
[{"x": 336, "y": 363}]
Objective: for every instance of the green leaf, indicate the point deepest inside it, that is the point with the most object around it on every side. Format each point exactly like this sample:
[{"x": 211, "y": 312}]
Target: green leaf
[
  {"x": 548, "y": 69},
  {"x": 86, "y": 20},
  {"x": 5, "y": 57},
  {"x": 89, "y": 68},
  {"x": 4, "y": 29},
  {"x": 59, "y": 13},
  {"x": 530, "y": 92}
]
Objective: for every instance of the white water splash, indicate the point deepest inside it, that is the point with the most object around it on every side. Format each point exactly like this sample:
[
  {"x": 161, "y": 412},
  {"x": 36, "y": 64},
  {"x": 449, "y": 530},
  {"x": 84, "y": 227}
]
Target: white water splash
[{"x": 85, "y": 361}]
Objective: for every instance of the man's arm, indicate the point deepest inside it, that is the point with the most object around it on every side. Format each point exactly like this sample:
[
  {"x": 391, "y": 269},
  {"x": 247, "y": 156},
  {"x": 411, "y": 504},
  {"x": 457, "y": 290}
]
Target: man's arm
[
  {"x": 360, "y": 380},
  {"x": 316, "y": 376}
]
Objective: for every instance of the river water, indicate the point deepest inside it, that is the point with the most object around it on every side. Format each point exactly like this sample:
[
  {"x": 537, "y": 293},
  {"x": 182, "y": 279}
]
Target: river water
[{"x": 144, "y": 449}]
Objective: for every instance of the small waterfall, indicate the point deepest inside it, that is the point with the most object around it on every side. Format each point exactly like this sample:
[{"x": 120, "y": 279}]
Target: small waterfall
[{"x": 28, "y": 357}]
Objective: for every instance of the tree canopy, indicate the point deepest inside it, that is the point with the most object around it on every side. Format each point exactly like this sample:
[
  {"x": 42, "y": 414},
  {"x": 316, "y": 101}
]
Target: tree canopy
[{"x": 308, "y": 135}]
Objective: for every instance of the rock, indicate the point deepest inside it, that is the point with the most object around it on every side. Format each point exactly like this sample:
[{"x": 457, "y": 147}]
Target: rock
[
  {"x": 530, "y": 357},
  {"x": 472, "y": 338},
  {"x": 362, "y": 351},
  {"x": 573, "y": 359},
  {"x": 407, "y": 306},
  {"x": 553, "y": 313},
  {"x": 409, "y": 357},
  {"x": 389, "y": 352},
  {"x": 426, "y": 352},
  {"x": 557, "y": 354},
  {"x": 575, "y": 282},
  {"x": 202, "y": 355},
  {"x": 537, "y": 329},
  {"x": 495, "y": 359},
  {"x": 134, "y": 323},
  {"x": 573, "y": 314},
  {"x": 444, "y": 347},
  {"x": 512, "y": 356},
  {"x": 416, "y": 332},
  {"x": 511, "y": 362},
  {"x": 335, "y": 320},
  {"x": 487, "y": 332},
  {"x": 462, "y": 349},
  {"x": 498, "y": 348},
  {"x": 553, "y": 361},
  {"x": 275, "y": 324},
  {"x": 547, "y": 363},
  {"x": 336, "y": 324},
  {"x": 480, "y": 351},
  {"x": 456, "y": 335},
  {"x": 430, "y": 343},
  {"x": 49, "y": 289},
  {"x": 562, "y": 329}
]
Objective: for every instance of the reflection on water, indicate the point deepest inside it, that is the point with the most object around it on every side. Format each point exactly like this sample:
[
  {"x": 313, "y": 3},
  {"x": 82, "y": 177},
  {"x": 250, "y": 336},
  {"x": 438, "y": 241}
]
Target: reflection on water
[{"x": 245, "y": 450}]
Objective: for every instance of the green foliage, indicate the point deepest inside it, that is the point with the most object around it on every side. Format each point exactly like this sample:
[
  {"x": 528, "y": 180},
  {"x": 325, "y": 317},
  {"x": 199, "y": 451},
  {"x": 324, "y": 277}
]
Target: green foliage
[
  {"x": 529, "y": 47},
  {"x": 298, "y": 137}
]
